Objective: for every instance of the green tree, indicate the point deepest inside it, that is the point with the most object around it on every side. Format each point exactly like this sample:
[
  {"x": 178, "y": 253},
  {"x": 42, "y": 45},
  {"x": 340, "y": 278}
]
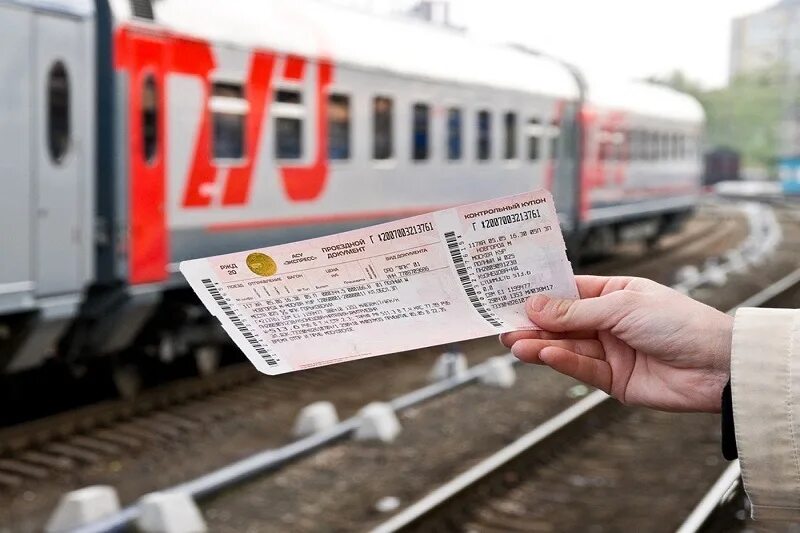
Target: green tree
[{"x": 744, "y": 116}]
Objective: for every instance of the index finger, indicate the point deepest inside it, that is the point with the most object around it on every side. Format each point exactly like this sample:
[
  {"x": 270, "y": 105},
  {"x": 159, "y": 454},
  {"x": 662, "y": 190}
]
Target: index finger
[{"x": 594, "y": 286}]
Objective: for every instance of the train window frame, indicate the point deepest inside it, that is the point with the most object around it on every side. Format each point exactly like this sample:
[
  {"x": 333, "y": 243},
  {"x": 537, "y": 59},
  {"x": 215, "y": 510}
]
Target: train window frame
[
  {"x": 150, "y": 119},
  {"x": 420, "y": 132},
  {"x": 59, "y": 119},
  {"x": 483, "y": 135},
  {"x": 454, "y": 132},
  {"x": 510, "y": 137},
  {"x": 228, "y": 100},
  {"x": 347, "y": 152},
  {"x": 383, "y": 150},
  {"x": 289, "y": 120},
  {"x": 533, "y": 139},
  {"x": 554, "y": 138}
]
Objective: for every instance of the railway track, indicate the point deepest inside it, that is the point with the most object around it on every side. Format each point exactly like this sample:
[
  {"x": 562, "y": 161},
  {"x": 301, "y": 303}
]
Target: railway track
[
  {"x": 596, "y": 464},
  {"x": 84, "y": 447},
  {"x": 61, "y": 441},
  {"x": 704, "y": 234}
]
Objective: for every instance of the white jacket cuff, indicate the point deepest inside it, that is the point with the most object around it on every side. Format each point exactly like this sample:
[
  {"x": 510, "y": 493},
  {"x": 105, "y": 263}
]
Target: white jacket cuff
[{"x": 765, "y": 386}]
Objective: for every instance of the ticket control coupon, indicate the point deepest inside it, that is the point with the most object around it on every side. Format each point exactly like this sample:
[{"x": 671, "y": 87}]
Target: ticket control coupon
[{"x": 431, "y": 279}]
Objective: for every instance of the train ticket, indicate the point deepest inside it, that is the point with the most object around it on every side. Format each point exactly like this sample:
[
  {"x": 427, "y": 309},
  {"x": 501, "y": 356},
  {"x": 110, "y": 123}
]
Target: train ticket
[{"x": 442, "y": 277}]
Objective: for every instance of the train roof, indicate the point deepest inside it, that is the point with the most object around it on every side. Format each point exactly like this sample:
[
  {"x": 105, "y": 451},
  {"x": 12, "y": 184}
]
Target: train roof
[
  {"x": 401, "y": 45},
  {"x": 80, "y": 8},
  {"x": 644, "y": 98}
]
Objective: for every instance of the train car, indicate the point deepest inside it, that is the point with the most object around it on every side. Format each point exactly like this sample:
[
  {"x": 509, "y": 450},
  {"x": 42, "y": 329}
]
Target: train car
[
  {"x": 47, "y": 150},
  {"x": 641, "y": 165},
  {"x": 162, "y": 131},
  {"x": 721, "y": 164}
]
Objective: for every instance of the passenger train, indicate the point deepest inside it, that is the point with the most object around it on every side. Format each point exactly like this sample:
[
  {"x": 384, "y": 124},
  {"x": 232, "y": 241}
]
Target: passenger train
[{"x": 138, "y": 133}]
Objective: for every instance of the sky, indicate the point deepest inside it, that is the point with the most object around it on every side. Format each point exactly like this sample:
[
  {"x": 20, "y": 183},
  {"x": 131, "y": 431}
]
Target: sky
[{"x": 625, "y": 38}]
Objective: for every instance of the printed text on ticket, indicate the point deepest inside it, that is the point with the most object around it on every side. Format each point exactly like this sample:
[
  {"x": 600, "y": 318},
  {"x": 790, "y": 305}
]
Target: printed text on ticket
[{"x": 431, "y": 279}]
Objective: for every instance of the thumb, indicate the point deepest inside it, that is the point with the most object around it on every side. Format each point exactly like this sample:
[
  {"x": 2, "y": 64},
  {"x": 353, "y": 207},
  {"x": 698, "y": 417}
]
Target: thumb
[{"x": 564, "y": 315}]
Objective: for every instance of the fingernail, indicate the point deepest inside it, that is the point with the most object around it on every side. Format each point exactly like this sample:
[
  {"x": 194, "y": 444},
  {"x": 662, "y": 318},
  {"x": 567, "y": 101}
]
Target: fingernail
[
  {"x": 514, "y": 352},
  {"x": 538, "y": 302}
]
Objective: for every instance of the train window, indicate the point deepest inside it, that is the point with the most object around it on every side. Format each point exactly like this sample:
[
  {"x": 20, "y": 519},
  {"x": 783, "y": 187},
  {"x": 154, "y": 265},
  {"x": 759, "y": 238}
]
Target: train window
[
  {"x": 454, "y": 133},
  {"x": 58, "y": 112},
  {"x": 655, "y": 146},
  {"x": 639, "y": 145},
  {"x": 338, "y": 126},
  {"x": 605, "y": 147},
  {"x": 229, "y": 113},
  {"x": 288, "y": 96},
  {"x": 652, "y": 146},
  {"x": 289, "y": 114},
  {"x": 555, "y": 134},
  {"x": 533, "y": 130},
  {"x": 673, "y": 146},
  {"x": 681, "y": 146},
  {"x": 618, "y": 140},
  {"x": 633, "y": 144},
  {"x": 484, "y": 137},
  {"x": 149, "y": 119},
  {"x": 382, "y": 140},
  {"x": 420, "y": 132},
  {"x": 643, "y": 146},
  {"x": 624, "y": 147},
  {"x": 665, "y": 146},
  {"x": 510, "y": 129}
]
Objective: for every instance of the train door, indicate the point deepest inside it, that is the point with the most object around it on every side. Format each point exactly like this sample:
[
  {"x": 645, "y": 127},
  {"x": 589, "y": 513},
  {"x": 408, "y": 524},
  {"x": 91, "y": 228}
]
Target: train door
[
  {"x": 148, "y": 245},
  {"x": 16, "y": 279},
  {"x": 61, "y": 86},
  {"x": 566, "y": 180}
]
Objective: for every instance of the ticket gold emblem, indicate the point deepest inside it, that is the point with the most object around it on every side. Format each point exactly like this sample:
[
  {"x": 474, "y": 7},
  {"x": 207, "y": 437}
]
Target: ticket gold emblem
[{"x": 261, "y": 264}]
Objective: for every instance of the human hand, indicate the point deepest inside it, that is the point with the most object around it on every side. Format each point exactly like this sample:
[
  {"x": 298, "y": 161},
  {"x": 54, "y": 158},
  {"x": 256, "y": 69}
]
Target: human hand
[{"x": 641, "y": 342}]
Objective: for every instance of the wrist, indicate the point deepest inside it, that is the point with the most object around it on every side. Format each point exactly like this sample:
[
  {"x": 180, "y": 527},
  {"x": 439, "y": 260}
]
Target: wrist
[
  {"x": 720, "y": 360},
  {"x": 721, "y": 347}
]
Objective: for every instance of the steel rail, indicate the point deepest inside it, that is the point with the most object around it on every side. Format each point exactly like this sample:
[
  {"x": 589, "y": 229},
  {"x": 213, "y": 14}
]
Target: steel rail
[
  {"x": 717, "y": 494},
  {"x": 494, "y": 462},
  {"x": 272, "y": 459}
]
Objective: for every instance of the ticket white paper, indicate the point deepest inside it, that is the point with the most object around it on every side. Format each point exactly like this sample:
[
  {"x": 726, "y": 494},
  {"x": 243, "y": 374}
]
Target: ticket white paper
[{"x": 431, "y": 279}]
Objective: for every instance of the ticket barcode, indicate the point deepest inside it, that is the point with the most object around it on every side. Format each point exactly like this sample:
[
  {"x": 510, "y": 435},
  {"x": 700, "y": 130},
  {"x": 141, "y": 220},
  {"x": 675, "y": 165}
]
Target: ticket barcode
[
  {"x": 237, "y": 321},
  {"x": 466, "y": 281}
]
